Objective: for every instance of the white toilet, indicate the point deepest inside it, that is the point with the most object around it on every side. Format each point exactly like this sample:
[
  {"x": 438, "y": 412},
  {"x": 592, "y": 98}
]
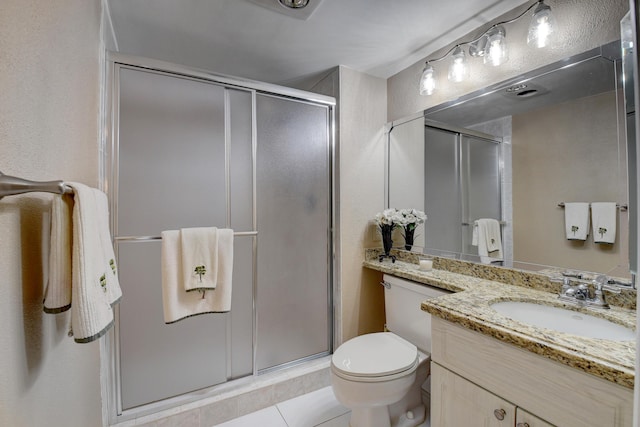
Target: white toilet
[{"x": 379, "y": 376}]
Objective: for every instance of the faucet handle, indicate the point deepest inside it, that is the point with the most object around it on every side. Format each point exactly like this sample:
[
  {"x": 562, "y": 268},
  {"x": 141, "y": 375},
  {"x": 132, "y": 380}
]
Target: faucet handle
[
  {"x": 601, "y": 284},
  {"x": 600, "y": 280}
]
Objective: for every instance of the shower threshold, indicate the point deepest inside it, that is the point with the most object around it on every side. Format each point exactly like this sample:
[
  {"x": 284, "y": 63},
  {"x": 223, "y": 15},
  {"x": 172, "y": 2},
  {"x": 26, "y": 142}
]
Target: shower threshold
[{"x": 235, "y": 398}]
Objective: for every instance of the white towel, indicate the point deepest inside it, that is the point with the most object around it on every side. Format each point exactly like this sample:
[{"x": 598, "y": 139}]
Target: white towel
[
  {"x": 199, "y": 258},
  {"x": 487, "y": 237},
  {"x": 179, "y": 304},
  {"x": 576, "y": 220},
  {"x": 94, "y": 285},
  {"x": 58, "y": 293},
  {"x": 603, "y": 217}
]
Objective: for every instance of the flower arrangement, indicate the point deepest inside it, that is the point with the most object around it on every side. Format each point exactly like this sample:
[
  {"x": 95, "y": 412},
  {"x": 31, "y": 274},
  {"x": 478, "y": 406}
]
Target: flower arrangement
[
  {"x": 408, "y": 219},
  {"x": 411, "y": 218},
  {"x": 387, "y": 220},
  {"x": 391, "y": 217}
]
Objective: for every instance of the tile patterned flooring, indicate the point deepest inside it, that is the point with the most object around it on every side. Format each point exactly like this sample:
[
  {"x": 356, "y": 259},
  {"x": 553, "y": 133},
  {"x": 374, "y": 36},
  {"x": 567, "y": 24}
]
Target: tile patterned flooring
[{"x": 316, "y": 409}]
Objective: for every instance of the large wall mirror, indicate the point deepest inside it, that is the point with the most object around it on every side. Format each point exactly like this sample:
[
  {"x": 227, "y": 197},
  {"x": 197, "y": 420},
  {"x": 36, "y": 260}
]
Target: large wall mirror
[{"x": 515, "y": 152}]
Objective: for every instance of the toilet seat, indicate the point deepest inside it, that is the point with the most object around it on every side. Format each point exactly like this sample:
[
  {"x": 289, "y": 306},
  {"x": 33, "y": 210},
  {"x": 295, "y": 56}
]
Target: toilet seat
[{"x": 380, "y": 356}]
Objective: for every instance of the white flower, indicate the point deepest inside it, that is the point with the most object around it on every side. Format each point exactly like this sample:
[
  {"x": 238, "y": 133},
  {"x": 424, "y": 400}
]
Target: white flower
[
  {"x": 387, "y": 217},
  {"x": 402, "y": 217},
  {"x": 412, "y": 216}
]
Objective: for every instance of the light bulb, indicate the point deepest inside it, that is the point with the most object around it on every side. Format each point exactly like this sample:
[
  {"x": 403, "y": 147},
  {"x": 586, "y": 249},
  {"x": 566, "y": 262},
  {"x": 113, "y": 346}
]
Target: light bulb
[
  {"x": 496, "y": 53},
  {"x": 541, "y": 27},
  {"x": 459, "y": 69},
  {"x": 427, "y": 81}
]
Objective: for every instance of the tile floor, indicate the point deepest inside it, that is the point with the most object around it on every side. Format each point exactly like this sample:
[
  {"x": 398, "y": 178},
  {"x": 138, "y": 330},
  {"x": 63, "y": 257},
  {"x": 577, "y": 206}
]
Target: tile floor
[{"x": 316, "y": 409}]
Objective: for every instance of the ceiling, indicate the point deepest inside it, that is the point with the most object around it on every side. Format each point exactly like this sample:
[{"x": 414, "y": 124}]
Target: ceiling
[{"x": 245, "y": 39}]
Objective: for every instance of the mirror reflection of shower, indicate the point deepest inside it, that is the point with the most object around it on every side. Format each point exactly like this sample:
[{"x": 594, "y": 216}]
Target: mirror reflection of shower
[{"x": 453, "y": 175}]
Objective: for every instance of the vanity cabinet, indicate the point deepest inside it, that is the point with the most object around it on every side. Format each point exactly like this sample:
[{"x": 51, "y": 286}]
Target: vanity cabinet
[
  {"x": 459, "y": 402},
  {"x": 477, "y": 379}
]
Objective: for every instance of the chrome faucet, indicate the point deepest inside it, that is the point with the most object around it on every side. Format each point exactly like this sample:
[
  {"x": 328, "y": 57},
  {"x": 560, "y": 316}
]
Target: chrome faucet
[{"x": 579, "y": 293}]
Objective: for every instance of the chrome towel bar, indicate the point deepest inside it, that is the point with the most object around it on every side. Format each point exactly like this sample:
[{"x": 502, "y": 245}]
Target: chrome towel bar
[
  {"x": 622, "y": 208},
  {"x": 152, "y": 238},
  {"x": 11, "y": 185}
]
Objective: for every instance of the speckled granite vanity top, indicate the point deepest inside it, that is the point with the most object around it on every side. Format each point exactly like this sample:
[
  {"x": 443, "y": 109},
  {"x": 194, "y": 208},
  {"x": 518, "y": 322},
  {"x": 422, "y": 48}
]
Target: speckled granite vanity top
[{"x": 470, "y": 307}]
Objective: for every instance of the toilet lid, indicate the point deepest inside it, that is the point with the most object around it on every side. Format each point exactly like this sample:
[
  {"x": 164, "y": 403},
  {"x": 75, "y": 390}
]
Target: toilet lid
[{"x": 375, "y": 355}]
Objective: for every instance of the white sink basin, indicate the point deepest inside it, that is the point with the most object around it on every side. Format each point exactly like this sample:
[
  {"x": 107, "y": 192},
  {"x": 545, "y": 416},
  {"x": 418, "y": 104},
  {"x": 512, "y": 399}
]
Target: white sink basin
[{"x": 561, "y": 320}]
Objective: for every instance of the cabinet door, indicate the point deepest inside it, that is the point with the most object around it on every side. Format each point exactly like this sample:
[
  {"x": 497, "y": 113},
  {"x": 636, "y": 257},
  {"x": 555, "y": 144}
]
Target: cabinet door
[
  {"x": 456, "y": 402},
  {"x": 525, "y": 419}
]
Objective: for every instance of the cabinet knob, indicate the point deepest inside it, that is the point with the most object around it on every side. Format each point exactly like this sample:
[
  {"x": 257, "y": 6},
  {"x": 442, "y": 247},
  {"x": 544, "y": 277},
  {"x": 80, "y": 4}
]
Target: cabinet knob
[
  {"x": 522, "y": 425},
  {"x": 500, "y": 413}
]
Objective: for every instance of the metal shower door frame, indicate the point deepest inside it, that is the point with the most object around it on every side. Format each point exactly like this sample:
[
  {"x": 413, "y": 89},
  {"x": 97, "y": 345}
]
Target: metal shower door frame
[{"x": 109, "y": 347}]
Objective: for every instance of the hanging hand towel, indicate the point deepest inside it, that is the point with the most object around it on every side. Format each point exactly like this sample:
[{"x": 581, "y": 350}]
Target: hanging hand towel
[
  {"x": 487, "y": 237},
  {"x": 113, "y": 291},
  {"x": 179, "y": 304},
  {"x": 95, "y": 284},
  {"x": 603, "y": 217},
  {"x": 58, "y": 292},
  {"x": 199, "y": 248},
  {"x": 576, "y": 220}
]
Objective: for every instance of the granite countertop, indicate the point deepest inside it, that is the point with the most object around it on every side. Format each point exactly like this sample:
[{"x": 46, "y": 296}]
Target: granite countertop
[{"x": 469, "y": 307}]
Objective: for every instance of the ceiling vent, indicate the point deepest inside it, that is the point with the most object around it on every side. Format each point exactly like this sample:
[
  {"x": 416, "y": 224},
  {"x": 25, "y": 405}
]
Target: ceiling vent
[{"x": 299, "y": 9}]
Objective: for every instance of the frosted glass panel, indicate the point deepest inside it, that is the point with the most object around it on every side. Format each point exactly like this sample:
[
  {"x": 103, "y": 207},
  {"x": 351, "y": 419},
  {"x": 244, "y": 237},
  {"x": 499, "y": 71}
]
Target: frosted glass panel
[
  {"x": 293, "y": 225},
  {"x": 174, "y": 136},
  {"x": 481, "y": 190},
  {"x": 158, "y": 360},
  {"x": 171, "y": 154},
  {"x": 442, "y": 191}
]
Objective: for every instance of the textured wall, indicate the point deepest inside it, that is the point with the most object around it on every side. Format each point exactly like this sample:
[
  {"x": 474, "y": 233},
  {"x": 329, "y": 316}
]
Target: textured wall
[
  {"x": 362, "y": 116},
  {"x": 49, "y": 80},
  {"x": 582, "y": 25}
]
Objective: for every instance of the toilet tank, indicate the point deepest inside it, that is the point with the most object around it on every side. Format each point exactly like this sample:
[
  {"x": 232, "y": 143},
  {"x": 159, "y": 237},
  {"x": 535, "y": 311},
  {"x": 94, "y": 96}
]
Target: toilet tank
[{"x": 402, "y": 299}]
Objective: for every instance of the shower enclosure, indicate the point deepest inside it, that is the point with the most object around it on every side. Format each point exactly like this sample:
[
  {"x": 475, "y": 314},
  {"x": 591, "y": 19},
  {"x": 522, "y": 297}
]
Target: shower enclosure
[{"x": 190, "y": 149}]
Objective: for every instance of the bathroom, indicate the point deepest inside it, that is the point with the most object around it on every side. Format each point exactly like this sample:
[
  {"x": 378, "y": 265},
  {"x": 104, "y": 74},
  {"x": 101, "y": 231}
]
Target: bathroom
[{"x": 52, "y": 70}]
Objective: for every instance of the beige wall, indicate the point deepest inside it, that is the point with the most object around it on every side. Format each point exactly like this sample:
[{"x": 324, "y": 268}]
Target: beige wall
[
  {"x": 582, "y": 25},
  {"x": 49, "y": 79},
  {"x": 362, "y": 115},
  {"x": 567, "y": 152}
]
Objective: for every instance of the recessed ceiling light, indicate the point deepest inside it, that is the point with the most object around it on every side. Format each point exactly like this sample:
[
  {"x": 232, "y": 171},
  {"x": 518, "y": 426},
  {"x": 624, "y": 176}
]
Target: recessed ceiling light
[{"x": 294, "y": 4}]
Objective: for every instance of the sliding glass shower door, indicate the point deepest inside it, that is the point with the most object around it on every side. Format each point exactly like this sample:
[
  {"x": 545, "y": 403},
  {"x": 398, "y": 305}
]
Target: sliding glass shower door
[
  {"x": 192, "y": 152},
  {"x": 293, "y": 177},
  {"x": 174, "y": 146}
]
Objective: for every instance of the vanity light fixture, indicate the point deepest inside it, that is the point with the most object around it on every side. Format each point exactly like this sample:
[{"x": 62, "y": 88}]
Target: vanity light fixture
[
  {"x": 427, "y": 80},
  {"x": 459, "y": 68},
  {"x": 491, "y": 45},
  {"x": 496, "y": 53},
  {"x": 542, "y": 25}
]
